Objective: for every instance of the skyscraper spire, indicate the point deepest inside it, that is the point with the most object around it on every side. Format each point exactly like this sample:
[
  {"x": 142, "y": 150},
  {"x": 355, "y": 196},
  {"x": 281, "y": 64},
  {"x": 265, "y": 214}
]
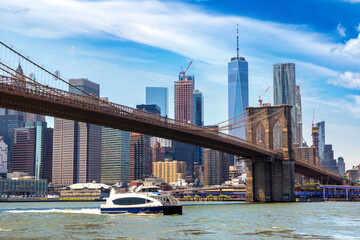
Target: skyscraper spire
[{"x": 237, "y": 40}]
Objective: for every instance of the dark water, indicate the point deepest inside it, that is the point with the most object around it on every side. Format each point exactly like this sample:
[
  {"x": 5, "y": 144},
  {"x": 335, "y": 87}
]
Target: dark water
[{"x": 340, "y": 220}]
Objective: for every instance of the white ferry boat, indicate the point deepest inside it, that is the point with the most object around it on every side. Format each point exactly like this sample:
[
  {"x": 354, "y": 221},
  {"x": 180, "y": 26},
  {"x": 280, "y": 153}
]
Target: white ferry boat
[{"x": 144, "y": 199}]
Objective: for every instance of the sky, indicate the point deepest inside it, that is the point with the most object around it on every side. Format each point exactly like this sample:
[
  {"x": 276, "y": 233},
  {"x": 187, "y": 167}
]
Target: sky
[{"x": 128, "y": 45}]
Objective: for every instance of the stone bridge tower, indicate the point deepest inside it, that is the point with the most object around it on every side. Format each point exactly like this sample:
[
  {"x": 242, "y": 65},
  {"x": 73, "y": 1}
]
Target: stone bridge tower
[{"x": 269, "y": 179}]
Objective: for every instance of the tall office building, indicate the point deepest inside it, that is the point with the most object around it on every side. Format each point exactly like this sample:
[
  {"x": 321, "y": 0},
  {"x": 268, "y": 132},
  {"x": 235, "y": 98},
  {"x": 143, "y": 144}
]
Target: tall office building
[
  {"x": 184, "y": 99},
  {"x": 151, "y": 108},
  {"x": 169, "y": 171},
  {"x": 321, "y": 144},
  {"x": 299, "y": 113},
  {"x": 77, "y": 145},
  {"x": 284, "y": 83},
  {"x": 315, "y": 139},
  {"x": 160, "y": 97},
  {"x": 85, "y": 85},
  {"x": 184, "y": 112},
  {"x": 285, "y": 91},
  {"x": 216, "y": 167},
  {"x": 115, "y": 156},
  {"x": 329, "y": 163},
  {"x": 198, "y": 105},
  {"x": 32, "y": 150},
  {"x": 3, "y": 157},
  {"x": 341, "y": 166},
  {"x": 140, "y": 156},
  {"x": 7, "y": 124},
  {"x": 238, "y": 93}
]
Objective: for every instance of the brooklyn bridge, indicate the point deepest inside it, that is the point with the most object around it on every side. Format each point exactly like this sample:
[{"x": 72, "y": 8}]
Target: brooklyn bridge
[{"x": 271, "y": 158}]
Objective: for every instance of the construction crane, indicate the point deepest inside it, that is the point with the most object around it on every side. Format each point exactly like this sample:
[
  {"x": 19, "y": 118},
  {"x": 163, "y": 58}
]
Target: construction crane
[
  {"x": 182, "y": 72},
  {"x": 260, "y": 99}
]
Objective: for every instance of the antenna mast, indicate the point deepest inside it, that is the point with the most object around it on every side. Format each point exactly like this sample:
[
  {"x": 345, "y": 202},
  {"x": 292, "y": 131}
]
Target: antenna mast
[{"x": 237, "y": 40}]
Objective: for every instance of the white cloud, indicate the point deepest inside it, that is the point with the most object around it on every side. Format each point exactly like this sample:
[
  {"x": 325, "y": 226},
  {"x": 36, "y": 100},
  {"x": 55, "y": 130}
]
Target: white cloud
[
  {"x": 353, "y": 105},
  {"x": 358, "y": 28},
  {"x": 349, "y": 80},
  {"x": 341, "y": 30},
  {"x": 180, "y": 28}
]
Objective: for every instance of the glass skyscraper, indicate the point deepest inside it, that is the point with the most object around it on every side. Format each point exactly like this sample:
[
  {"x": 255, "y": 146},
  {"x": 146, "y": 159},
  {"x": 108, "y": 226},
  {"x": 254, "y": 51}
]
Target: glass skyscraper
[
  {"x": 238, "y": 95},
  {"x": 321, "y": 126},
  {"x": 158, "y": 96},
  {"x": 198, "y": 104},
  {"x": 115, "y": 156},
  {"x": 7, "y": 124},
  {"x": 285, "y": 91}
]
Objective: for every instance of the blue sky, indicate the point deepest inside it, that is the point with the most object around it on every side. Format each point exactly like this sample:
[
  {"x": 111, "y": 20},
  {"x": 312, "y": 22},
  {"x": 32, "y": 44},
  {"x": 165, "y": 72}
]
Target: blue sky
[{"x": 128, "y": 45}]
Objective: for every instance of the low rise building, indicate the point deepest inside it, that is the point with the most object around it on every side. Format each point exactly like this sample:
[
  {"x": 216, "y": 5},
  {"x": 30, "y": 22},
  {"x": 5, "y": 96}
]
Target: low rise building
[{"x": 24, "y": 187}]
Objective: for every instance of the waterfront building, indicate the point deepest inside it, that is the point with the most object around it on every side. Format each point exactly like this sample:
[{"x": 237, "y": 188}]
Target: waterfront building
[
  {"x": 160, "y": 97},
  {"x": 140, "y": 157},
  {"x": 23, "y": 187},
  {"x": 198, "y": 105},
  {"x": 216, "y": 167},
  {"x": 152, "y": 108},
  {"x": 169, "y": 171},
  {"x": 284, "y": 84},
  {"x": 115, "y": 156},
  {"x": 352, "y": 174},
  {"x": 321, "y": 144},
  {"x": 184, "y": 112},
  {"x": 341, "y": 166},
  {"x": 77, "y": 145},
  {"x": 32, "y": 150},
  {"x": 3, "y": 156},
  {"x": 7, "y": 124}
]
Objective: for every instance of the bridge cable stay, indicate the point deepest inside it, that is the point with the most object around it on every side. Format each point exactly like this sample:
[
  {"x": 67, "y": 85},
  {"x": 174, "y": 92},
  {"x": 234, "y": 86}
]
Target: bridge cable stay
[
  {"x": 256, "y": 121},
  {"x": 216, "y": 124},
  {"x": 232, "y": 124},
  {"x": 298, "y": 131}
]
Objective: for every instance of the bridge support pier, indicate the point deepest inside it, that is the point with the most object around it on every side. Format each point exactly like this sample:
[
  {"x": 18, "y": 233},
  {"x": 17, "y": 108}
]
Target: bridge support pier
[{"x": 270, "y": 180}]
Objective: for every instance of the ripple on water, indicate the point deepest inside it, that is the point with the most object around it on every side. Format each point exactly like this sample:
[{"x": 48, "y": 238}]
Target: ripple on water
[
  {"x": 285, "y": 233},
  {"x": 194, "y": 232}
]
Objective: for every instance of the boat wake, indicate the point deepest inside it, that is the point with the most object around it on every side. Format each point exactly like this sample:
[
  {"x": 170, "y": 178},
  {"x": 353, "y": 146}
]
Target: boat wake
[{"x": 75, "y": 211}]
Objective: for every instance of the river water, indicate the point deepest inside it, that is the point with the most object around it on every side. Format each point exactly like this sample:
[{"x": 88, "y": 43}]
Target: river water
[{"x": 323, "y": 220}]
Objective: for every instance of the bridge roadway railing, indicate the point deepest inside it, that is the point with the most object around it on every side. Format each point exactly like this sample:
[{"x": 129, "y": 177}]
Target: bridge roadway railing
[
  {"x": 30, "y": 87},
  {"x": 318, "y": 171}
]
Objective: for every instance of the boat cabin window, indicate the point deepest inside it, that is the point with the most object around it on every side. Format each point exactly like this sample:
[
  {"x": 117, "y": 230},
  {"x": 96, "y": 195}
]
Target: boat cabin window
[
  {"x": 149, "y": 190},
  {"x": 130, "y": 201}
]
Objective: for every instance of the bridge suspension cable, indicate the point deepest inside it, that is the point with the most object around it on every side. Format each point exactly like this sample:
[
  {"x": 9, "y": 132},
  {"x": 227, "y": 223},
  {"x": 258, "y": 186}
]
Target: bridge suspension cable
[{"x": 34, "y": 72}]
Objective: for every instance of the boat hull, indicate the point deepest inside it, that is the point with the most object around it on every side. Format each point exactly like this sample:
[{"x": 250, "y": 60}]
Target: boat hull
[
  {"x": 166, "y": 210},
  {"x": 134, "y": 210},
  {"x": 170, "y": 210}
]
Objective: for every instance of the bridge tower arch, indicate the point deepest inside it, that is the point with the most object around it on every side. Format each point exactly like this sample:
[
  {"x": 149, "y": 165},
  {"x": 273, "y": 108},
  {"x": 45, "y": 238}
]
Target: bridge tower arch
[{"x": 269, "y": 179}]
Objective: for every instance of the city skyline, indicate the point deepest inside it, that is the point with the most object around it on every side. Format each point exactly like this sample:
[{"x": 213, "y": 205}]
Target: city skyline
[{"x": 111, "y": 57}]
